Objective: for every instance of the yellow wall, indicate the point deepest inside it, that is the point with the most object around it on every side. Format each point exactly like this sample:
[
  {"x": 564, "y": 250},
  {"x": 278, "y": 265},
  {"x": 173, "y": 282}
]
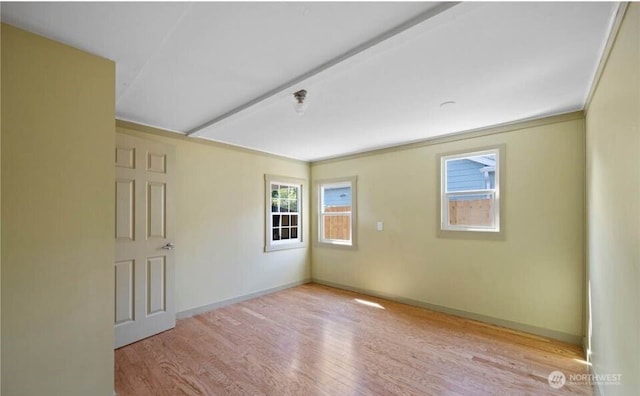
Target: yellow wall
[
  {"x": 532, "y": 280},
  {"x": 613, "y": 201},
  {"x": 57, "y": 205},
  {"x": 220, "y": 214},
  {"x": 0, "y": 212}
]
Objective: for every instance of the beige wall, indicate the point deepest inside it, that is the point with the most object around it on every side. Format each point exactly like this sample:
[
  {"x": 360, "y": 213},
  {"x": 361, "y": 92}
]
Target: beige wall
[
  {"x": 0, "y": 211},
  {"x": 613, "y": 197},
  {"x": 220, "y": 214},
  {"x": 57, "y": 206},
  {"x": 533, "y": 279}
]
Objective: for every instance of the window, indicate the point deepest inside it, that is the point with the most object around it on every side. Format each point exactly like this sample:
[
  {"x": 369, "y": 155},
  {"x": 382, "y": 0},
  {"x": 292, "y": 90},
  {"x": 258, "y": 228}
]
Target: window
[
  {"x": 337, "y": 212},
  {"x": 283, "y": 213},
  {"x": 470, "y": 191}
]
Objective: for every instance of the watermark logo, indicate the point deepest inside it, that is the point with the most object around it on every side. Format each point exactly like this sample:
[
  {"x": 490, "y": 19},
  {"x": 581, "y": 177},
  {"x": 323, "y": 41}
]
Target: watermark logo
[{"x": 557, "y": 379}]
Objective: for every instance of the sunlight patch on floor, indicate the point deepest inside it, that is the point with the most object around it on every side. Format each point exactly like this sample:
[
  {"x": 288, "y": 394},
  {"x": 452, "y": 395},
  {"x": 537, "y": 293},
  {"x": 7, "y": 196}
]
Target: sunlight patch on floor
[
  {"x": 582, "y": 361},
  {"x": 368, "y": 303}
]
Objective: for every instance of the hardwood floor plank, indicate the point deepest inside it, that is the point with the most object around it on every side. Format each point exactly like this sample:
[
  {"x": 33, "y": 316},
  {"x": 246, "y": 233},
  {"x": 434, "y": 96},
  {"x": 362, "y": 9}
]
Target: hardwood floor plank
[{"x": 317, "y": 340}]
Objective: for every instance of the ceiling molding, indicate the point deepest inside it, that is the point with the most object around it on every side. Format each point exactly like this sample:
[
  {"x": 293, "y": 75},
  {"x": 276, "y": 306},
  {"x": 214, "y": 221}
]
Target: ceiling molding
[
  {"x": 420, "y": 18},
  {"x": 129, "y": 126},
  {"x": 613, "y": 35},
  {"x": 142, "y": 127},
  {"x": 464, "y": 135}
]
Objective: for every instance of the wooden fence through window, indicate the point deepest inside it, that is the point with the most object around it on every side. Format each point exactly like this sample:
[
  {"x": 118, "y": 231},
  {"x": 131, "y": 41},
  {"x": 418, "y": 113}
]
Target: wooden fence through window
[
  {"x": 337, "y": 227},
  {"x": 470, "y": 212}
]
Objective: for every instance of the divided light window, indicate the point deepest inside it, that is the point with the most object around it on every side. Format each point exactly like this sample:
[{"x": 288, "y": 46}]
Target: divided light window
[
  {"x": 284, "y": 213},
  {"x": 336, "y": 212},
  {"x": 470, "y": 191}
]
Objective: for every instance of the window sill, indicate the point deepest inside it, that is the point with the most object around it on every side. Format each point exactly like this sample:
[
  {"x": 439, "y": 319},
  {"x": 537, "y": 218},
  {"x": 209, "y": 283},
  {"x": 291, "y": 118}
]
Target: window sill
[
  {"x": 342, "y": 246},
  {"x": 284, "y": 246},
  {"x": 472, "y": 234}
]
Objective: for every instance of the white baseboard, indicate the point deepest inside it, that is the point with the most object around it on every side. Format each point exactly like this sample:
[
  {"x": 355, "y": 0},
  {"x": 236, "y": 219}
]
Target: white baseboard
[
  {"x": 218, "y": 304},
  {"x": 556, "y": 335}
]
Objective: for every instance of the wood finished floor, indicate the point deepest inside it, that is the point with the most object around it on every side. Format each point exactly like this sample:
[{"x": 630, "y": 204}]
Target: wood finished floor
[{"x": 316, "y": 340}]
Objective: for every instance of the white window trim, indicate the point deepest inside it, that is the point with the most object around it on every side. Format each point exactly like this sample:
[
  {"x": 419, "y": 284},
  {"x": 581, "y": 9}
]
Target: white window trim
[
  {"x": 479, "y": 232},
  {"x": 269, "y": 244},
  {"x": 346, "y": 182}
]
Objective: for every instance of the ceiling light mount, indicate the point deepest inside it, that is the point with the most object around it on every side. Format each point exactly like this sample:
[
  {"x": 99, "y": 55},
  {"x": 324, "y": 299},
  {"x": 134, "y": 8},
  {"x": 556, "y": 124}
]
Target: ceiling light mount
[
  {"x": 300, "y": 95},
  {"x": 300, "y": 107},
  {"x": 448, "y": 103}
]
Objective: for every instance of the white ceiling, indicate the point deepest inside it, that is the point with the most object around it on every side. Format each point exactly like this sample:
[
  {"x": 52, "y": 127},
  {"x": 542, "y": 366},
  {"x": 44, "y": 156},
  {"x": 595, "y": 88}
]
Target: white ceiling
[{"x": 181, "y": 65}]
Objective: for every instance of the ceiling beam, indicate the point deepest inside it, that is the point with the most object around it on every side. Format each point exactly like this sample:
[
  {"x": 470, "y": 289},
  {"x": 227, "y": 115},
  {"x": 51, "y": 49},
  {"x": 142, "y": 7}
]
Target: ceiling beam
[{"x": 418, "y": 19}]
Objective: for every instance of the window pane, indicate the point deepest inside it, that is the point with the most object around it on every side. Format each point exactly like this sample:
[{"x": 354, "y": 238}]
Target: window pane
[
  {"x": 293, "y": 206},
  {"x": 336, "y": 199},
  {"x": 294, "y": 220},
  {"x": 275, "y": 220},
  {"x": 274, "y": 197},
  {"x": 285, "y": 233},
  {"x": 471, "y": 173},
  {"x": 471, "y": 210},
  {"x": 337, "y": 227},
  {"x": 284, "y": 205},
  {"x": 294, "y": 232},
  {"x": 285, "y": 220},
  {"x": 276, "y": 234}
]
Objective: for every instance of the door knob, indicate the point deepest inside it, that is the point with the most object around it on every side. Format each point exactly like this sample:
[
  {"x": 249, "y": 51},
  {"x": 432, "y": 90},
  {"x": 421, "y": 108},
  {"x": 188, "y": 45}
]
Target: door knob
[{"x": 169, "y": 246}]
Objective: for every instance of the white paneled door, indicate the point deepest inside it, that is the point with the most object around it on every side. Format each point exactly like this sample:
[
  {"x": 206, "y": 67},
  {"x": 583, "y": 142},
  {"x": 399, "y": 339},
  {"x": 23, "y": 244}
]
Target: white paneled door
[{"x": 144, "y": 274}]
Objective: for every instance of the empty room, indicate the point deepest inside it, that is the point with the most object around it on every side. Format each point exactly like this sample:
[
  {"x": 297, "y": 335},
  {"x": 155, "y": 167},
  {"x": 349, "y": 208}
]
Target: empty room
[{"x": 320, "y": 198}]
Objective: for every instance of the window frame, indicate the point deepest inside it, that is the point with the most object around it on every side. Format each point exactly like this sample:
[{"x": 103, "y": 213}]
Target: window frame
[
  {"x": 270, "y": 244},
  {"x": 351, "y": 182},
  {"x": 444, "y": 229}
]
